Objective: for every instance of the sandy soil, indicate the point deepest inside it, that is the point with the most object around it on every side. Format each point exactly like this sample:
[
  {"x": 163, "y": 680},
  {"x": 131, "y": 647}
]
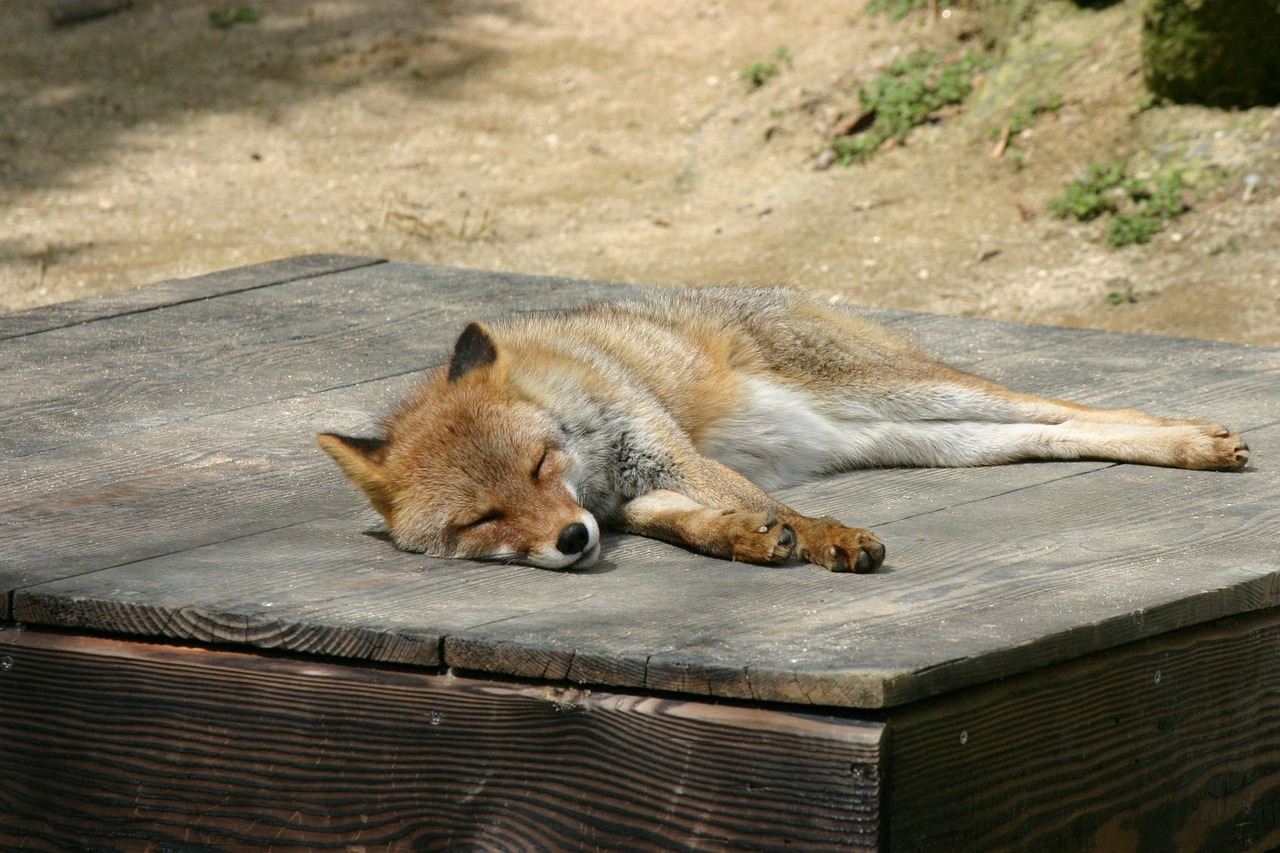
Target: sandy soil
[{"x": 615, "y": 141}]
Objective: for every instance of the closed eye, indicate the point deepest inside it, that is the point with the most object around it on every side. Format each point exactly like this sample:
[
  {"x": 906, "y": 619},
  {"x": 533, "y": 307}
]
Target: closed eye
[
  {"x": 488, "y": 518},
  {"x": 542, "y": 460}
]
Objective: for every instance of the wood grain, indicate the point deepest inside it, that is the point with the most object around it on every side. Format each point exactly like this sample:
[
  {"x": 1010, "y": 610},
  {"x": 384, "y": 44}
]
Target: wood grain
[
  {"x": 113, "y": 745},
  {"x": 137, "y": 369},
  {"x": 185, "y": 499},
  {"x": 656, "y": 617},
  {"x": 174, "y": 292},
  {"x": 1169, "y": 744}
]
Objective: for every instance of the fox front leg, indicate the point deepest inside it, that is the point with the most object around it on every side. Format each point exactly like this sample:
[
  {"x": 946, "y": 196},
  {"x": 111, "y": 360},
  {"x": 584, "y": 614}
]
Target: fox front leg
[
  {"x": 752, "y": 535},
  {"x": 746, "y": 536},
  {"x": 829, "y": 543},
  {"x": 824, "y": 541}
]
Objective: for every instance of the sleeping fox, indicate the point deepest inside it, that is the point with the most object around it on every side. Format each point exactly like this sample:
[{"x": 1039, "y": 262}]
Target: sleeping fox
[{"x": 673, "y": 415}]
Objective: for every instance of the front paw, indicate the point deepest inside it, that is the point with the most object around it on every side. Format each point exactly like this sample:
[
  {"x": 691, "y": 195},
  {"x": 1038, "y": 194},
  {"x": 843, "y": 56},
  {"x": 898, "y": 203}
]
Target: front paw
[
  {"x": 842, "y": 549},
  {"x": 756, "y": 537}
]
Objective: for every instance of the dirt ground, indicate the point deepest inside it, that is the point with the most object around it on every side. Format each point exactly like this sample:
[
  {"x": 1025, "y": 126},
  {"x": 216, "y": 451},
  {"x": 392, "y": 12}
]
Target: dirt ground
[{"x": 617, "y": 141}]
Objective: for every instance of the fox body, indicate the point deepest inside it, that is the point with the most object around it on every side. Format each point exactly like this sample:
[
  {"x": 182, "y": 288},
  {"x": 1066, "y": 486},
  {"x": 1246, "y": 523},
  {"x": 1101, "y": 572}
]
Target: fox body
[{"x": 671, "y": 416}]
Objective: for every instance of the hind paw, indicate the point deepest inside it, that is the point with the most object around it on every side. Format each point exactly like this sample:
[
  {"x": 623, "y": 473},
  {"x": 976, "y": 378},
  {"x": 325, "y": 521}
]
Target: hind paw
[{"x": 1216, "y": 448}]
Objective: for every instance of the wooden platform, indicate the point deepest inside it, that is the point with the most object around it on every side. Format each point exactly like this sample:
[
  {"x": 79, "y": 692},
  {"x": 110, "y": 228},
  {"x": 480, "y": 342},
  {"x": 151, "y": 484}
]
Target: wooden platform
[{"x": 207, "y": 642}]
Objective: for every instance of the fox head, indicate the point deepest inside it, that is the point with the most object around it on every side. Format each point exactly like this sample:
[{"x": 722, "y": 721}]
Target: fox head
[{"x": 470, "y": 468}]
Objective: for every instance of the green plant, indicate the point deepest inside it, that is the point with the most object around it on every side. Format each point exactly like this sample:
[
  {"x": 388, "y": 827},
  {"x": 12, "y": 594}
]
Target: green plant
[
  {"x": 1008, "y": 135},
  {"x": 895, "y": 9},
  {"x": 1128, "y": 228},
  {"x": 760, "y": 73},
  {"x": 1031, "y": 109},
  {"x": 1232, "y": 245},
  {"x": 1139, "y": 207},
  {"x": 1120, "y": 297},
  {"x": 1090, "y": 196},
  {"x": 905, "y": 97},
  {"x": 228, "y": 16}
]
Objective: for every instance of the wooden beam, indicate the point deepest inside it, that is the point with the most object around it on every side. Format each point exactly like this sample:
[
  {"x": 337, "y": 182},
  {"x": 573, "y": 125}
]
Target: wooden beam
[
  {"x": 1172, "y": 743},
  {"x": 110, "y": 743}
]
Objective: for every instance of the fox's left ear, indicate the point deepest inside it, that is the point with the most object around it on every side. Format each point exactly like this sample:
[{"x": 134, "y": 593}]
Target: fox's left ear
[
  {"x": 361, "y": 460},
  {"x": 474, "y": 350}
]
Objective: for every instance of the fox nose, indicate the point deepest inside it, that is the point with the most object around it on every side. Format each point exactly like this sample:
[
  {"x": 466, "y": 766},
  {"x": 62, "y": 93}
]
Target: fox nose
[{"x": 573, "y": 538}]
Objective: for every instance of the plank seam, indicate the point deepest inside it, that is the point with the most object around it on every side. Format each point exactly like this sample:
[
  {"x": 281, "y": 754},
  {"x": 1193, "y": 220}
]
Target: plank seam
[
  {"x": 992, "y": 496},
  {"x": 12, "y": 592},
  {"x": 357, "y": 263},
  {"x": 253, "y": 404}
]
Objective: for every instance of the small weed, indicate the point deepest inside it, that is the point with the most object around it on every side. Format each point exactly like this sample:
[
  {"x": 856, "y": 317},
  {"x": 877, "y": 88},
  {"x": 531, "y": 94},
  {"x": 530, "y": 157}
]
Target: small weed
[
  {"x": 1121, "y": 297},
  {"x": 1140, "y": 208},
  {"x": 906, "y": 97},
  {"x": 760, "y": 73},
  {"x": 228, "y": 16},
  {"x": 1128, "y": 228},
  {"x": 896, "y": 10},
  {"x": 1007, "y": 136},
  {"x": 1232, "y": 245},
  {"x": 1031, "y": 110},
  {"x": 1091, "y": 196}
]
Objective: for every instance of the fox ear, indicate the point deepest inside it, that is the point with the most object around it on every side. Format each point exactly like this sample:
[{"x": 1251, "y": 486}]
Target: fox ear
[
  {"x": 361, "y": 460},
  {"x": 475, "y": 349}
]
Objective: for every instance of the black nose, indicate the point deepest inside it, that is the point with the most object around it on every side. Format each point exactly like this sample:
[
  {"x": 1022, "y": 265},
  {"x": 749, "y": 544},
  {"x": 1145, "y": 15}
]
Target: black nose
[{"x": 573, "y": 538}]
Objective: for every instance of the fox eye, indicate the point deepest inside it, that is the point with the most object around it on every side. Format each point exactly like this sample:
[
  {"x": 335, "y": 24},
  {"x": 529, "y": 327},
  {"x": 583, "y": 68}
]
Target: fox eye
[
  {"x": 488, "y": 518},
  {"x": 542, "y": 460}
]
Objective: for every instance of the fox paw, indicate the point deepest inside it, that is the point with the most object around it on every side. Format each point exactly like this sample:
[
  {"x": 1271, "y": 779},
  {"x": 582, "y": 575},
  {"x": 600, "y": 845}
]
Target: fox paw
[
  {"x": 757, "y": 537},
  {"x": 843, "y": 549},
  {"x": 1215, "y": 448}
]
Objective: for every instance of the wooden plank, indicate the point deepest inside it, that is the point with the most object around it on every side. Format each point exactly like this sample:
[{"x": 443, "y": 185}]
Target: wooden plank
[
  {"x": 651, "y": 616},
  {"x": 134, "y": 372},
  {"x": 110, "y": 742},
  {"x": 122, "y": 499},
  {"x": 1169, "y": 744},
  {"x": 174, "y": 292},
  {"x": 116, "y": 499},
  {"x": 222, "y": 522}
]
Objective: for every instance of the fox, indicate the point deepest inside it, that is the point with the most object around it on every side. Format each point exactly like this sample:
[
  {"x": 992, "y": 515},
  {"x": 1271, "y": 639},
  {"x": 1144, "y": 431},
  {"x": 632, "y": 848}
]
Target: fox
[{"x": 674, "y": 415}]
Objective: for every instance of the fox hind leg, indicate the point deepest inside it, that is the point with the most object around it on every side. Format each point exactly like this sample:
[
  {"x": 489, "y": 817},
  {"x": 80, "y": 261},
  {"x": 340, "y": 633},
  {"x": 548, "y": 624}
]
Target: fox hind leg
[{"x": 957, "y": 419}]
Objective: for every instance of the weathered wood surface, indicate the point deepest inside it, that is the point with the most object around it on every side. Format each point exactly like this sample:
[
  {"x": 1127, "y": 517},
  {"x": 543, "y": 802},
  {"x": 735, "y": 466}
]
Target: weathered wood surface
[
  {"x": 113, "y": 745},
  {"x": 174, "y": 292},
  {"x": 1171, "y": 743},
  {"x": 158, "y": 477}
]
